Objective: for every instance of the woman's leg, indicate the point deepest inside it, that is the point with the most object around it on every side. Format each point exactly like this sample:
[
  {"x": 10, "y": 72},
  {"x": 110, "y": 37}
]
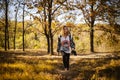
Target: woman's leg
[
  {"x": 66, "y": 58},
  {"x": 67, "y": 61}
]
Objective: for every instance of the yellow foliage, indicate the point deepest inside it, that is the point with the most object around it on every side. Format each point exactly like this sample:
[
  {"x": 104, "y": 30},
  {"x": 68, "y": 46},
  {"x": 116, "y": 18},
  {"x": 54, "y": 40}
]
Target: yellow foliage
[
  {"x": 40, "y": 8},
  {"x": 43, "y": 67}
]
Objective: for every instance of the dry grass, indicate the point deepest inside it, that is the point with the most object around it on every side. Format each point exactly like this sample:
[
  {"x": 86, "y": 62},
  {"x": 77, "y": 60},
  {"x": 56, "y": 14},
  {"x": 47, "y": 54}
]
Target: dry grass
[{"x": 13, "y": 67}]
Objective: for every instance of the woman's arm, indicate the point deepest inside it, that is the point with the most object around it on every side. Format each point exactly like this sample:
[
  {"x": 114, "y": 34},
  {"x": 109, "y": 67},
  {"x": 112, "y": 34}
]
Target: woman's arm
[
  {"x": 73, "y": 47},
  {"x": 72, "y": 44}
]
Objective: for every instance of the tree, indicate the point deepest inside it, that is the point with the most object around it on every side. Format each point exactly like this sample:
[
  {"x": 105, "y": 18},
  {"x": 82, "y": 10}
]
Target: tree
[
  {"x": 16, "y": 13},
  {"x": 47, "y": 9},
  {"x": 5, "y": 21},
  {"x": 23, "y": 27},
  {"x": 6, "y": 24},
  {"x": 43, "y": 5},
  {"x": 50, "y": 2},
  {"x": 90, "y": 10}
]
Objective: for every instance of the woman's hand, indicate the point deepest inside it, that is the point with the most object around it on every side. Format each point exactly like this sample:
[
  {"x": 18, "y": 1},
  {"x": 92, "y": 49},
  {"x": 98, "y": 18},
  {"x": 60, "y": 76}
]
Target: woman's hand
[
  {"x": 72, "y": 49},
  {"x": 73, "y": 52}
]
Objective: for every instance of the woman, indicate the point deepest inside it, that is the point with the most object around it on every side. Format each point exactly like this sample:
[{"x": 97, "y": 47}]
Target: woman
[{"x": 65, "y": 46}]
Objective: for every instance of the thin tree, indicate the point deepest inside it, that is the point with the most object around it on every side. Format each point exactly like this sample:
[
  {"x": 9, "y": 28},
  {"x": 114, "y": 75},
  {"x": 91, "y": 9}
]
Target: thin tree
[
  {"x": 45, "y": 27},
  {"x": 16, "y": 13},
  {"x": 50, "y": 2},
  {"x": 6, "y": 24},
  {"x": 23, "y": 27}
]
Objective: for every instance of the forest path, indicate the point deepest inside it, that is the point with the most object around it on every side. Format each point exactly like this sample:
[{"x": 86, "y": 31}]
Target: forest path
[
  {"x": 75, "y": 69},
  {"x": 82, "y": 66},
  {"x": 92, "y": 55}
]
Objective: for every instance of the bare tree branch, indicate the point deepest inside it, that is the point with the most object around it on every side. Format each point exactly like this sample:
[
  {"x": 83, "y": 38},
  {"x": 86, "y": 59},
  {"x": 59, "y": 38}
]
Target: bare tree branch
[{"x": 58, "y": 7}]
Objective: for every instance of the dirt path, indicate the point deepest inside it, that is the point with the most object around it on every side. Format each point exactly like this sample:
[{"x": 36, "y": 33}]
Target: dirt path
[
  {"x": 94, "y": 55},
  {"x": 74, "y": 72},
  {"x": 82, "y": 66}
]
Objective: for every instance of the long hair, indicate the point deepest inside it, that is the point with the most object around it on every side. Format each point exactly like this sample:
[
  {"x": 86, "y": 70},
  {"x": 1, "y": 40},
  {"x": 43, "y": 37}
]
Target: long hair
[{"x": 67, "y": 32}]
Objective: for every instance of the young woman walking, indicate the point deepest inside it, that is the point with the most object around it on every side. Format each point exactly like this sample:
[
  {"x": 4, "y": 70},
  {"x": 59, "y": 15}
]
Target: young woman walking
[{"x": 65, "y": 46}]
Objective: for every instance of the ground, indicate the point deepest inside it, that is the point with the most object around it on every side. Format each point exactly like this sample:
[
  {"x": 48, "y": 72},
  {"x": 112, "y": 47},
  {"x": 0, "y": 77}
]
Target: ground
[{"x": 38, "y": 65}]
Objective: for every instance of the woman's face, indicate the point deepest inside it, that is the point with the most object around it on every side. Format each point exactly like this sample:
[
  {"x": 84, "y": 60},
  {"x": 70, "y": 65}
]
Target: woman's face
[{"x": 65, "y": 30}]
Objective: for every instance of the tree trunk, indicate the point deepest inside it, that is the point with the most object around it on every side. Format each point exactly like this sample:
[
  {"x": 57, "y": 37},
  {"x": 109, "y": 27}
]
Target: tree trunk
[
  {"x": 6, "y": 24},
  {"x": 51, "y": 45},
  {"x": 49, "y": 25},
  {"x": 92, "y": 40},
  {"x": 92, "y": 30},
  {"x": 8, "y": 39},
  {"x": 14, "y": 42},
  {"x": 48, "y": 44},
  {"x": 15, "y": 34},
  {"x": 45, "y": 29},
  {"x": 23, "y": 27}
]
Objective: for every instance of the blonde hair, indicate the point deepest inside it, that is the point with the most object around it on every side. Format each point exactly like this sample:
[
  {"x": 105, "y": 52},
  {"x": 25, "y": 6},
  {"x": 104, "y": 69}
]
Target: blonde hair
[{"x": 63, "y": 30}]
